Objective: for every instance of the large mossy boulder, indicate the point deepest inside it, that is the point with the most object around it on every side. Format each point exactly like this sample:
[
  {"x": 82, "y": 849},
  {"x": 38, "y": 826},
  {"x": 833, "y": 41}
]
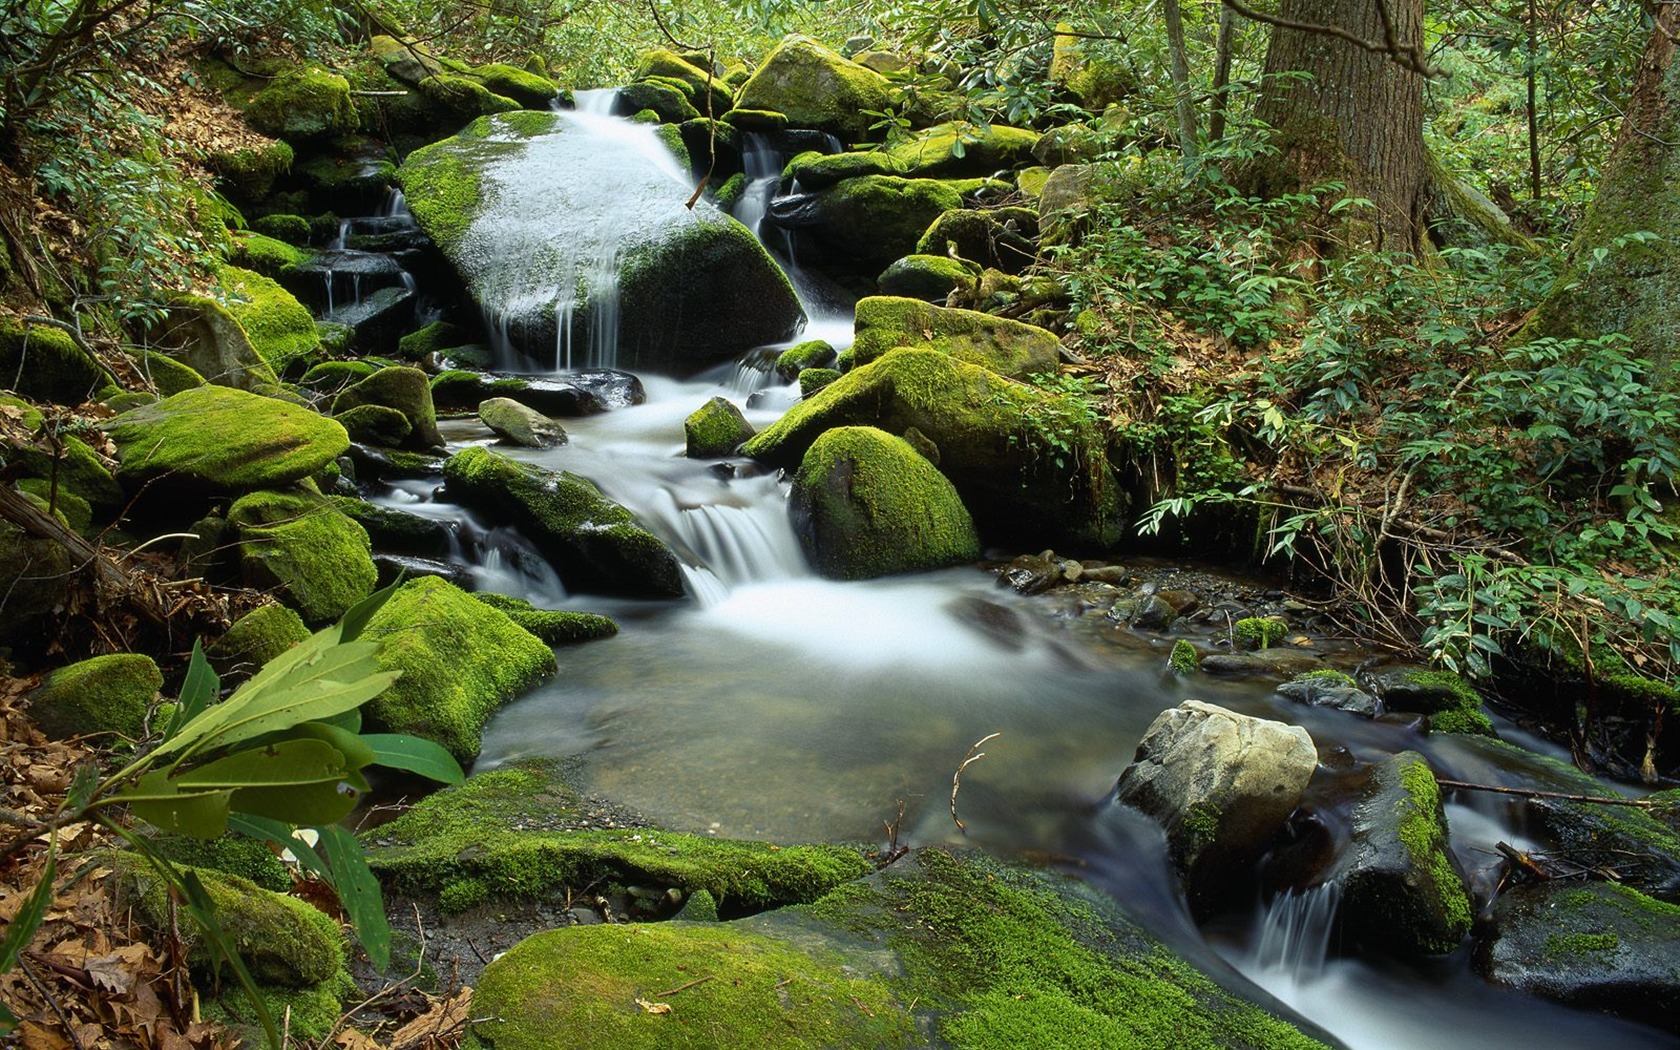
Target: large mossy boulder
[
  {"x": 510, "y": 834},
  {"x": 940, "y": 949},
  {"x": 816, "y": 88},
  {"x": 865, "y": 222},
  {"x": 459, "y": 660},
  {"x": 1400, "y": 888},
  {"x": 301, "y": 547},
  {"x": 256, "y": 638},
  {"x": 1221, "y": 784},
  {"x": 1031, "y": 467},
  {"x": 281, "y": 329},
  {"x": 107, "y": 694},
  {"x": 308, "y": 104},
  {"x": 406, "y": 390},
  {"x": 1010, "y": 348},
  {"x": 928, "y": 277},
  {"x": 1596, "y": 945},
  {"x": 528, "y": 208},
  {"x": 213, "y": 439},
  {"x": 203, "y": 335},
  {"x": 35, "y": 576},
  {"x": 865, "y": 504},
  {"x": 705, "y": 90},
  {"x": 593, "y": 542},
  {"x": 1001, "y": 239},
  {"x": 965, "y": 149},
  {"x": 45, "y": 364}
]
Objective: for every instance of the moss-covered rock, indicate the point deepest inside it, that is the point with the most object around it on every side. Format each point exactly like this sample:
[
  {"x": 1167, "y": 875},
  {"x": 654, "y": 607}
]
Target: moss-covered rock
[
  {"x": 1028, "y": 465},
  {"x": 592, "y": 541},
  {"x": 204, "y": 335},
  {"x": 556, "y": 627},
  {"x": 817, "y": 171},
  {"x": 1595, "y": 945},
  {"x": 247, "y": 174},
  {"x": 221, "y": 440},
  {"x": 281, "y": 329},
  {"x": 408, "y": 391},
  {"x": 1009, "y": 348},
  {"x": 70, "y": 508},
  {"x": 308, "y": 104},
  {"x": 230, "y": 854},
  {"x": 529, "y": 89},
  {"x": 168, "y": 375},
  {"x": 266, "y": 255},
  {"x": 46, "y": 364},
  {"x": 705, "y": 90},
  {"x": 434, "y": 338},
  {"x": 397, "y": 531},
  {"x": 35, "y": 575},
  {"x": 1088, "y": 70},
  {"x": 1452, "y": 704},
  {"x": 816, "y": 88},
  {"x": 303, "y": 548},
  {"x": 330, "y": 377},
  {"x": 866, "y": 504},
  {"x": 670, "y": 104},
  {"x": 927, "y": 277},
  {"x": 256, "y": 638},
  {"x": 1001, "y": 238},
  {"x": 282, "y": 940},
  {"x": 813, "y": 353},
  {"x": 964, "y": 149},
  {"x": 518, "y": 424},
  {"x": 78, "y": 470},
  {"x": 504, "y": 835},
  {"x": 716, "y": 429},
  {"x": 871, "y": 220},
  {"x": 1401, "y": 890},
  {"x": 107, "y": 694},
  {"x": 812, "y": 380},
  {"x": 291, "y": 229},
  {"x": 459, "y": 659},
  {"x": 376, "y": 425}
]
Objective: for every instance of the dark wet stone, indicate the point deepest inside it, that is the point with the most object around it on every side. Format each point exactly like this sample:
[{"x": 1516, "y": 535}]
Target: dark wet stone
[{"x": 999, "y": 624}]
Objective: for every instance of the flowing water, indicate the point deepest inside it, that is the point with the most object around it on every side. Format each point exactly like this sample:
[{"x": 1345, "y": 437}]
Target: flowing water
[{"x": 774, "y": 704}]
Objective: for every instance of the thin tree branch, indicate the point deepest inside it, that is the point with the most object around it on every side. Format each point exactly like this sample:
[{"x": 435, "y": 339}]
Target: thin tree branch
[{"x": 1408, "y": 54}]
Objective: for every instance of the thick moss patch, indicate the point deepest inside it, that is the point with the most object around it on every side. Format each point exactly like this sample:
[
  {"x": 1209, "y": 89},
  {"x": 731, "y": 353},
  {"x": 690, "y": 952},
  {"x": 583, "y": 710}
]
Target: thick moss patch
[
  {"x": 816, "y": 88},
  {"x": 107, "y": 694},
  {"x": 1009, "y": 348},
  {"x": 502, "y": 835},
  {"x": 306, "y": 550},
  {"x": 280, "y": 328},
  {"x": 256, "y": 638},
  {"x": 308, "y": 104},
  {"x": 556, "y": 627},
  {"x": 459, "y": 659},
  {"x": 46, "y": 364},
  {"x": 716, "y": 429}
]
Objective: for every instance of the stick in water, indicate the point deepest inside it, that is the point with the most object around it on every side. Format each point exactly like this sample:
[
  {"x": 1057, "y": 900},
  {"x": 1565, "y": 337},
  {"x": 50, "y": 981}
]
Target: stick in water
[{"x": 974, "y": 755}]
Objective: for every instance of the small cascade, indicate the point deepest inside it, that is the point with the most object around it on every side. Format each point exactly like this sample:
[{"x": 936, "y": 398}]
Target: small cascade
[
  {"x": 1295, "y": 932},
  {"x": 362, "y": 264}
]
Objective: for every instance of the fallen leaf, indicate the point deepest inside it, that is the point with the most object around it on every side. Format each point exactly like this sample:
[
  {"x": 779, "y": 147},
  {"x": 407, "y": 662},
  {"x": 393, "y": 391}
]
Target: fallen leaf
[{"x": 653, "y": 1008}]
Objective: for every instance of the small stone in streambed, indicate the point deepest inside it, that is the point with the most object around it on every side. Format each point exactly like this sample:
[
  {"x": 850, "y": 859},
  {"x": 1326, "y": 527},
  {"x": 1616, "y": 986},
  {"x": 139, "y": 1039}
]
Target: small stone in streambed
[{"x": 518, "y": 424}]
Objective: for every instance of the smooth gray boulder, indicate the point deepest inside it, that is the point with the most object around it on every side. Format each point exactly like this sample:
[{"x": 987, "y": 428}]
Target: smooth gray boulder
[{"x": 518, "y": 424}]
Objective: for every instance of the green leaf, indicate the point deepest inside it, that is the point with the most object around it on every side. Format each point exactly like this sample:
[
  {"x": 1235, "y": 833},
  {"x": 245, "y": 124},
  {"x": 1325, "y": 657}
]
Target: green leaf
[
  {"x": 198, "y": 691},
  {"x": 287, "y": 763},
  {"x": 359, "y": 892},
  {"x": 358, "y": 750},
  {"x": 356, "y": 620},
  {"x": 318, "y": 803},
  {"x": 23, "y": 926},
  {"x": 281, "y": 834},
  {"x": 158, "y": 800},
  {"x": 203, "y": 912},
  {"x": 8, "y": 1020},
  {"x": 415, "y": 755}
]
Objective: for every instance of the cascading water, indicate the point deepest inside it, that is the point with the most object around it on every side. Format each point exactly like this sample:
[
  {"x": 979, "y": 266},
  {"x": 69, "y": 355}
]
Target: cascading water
[{"x": 784, "y": 706}]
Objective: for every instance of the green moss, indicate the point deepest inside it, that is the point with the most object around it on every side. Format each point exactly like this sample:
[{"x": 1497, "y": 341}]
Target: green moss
[
  {"x": 304, "y": 549},
  {"x": 1258, "y": 632},
  {"x": 230, "y": 854},
  {"x": 107, "y": 694},
  {"x": 878, "y": 218},
  {"x": 78, "y": 468},
  {"x": 1326, "y": 676},
  {"x": 308, "y": 104},
  {"x": 1582, "y": 943},
  {"x": 250, "y": 173},
  {"x": 459, "y": 659},
  {"x": 1460, "y": 720},
  {"x": 45, "y": 364},
  {"x": 331, "y": 376},
  {"x": 866, "y": 504},
  {"x": 1422, "y": 831},
  {"x": 376, "y": 425},
  {"x": 432, "y": 339},
  {"x": 1009, "y": 348},
  {"x": 964, "y": 149},
  {"x": 765, "y": 993},
  {"x": 1009, "y": 958},
  {"x": 815, "y": 87},
  {"x": 931, "y": 277},
  {"x": 527, "y": 88},
  {"x": 552, "y": 626},
  {"x": 1184, "y": 660},
  {"x": 72, "y": 509},
  {"x": 715, "y": 429},
  {"x": 281, "y": 329},
  {"x": 311, "y": 1013},
  {"x": 812, "y": 380},
  {"x": 406, "y": 390},
  {"x": 167, "y": 374},
  {"x": 442, "y": 181},
  {"x": 815, "y": 171},
  {"x": 462, "y": 842},
  {"x": 292, "y": 229},
  {"x": 256, "y": 638},
  {"x": 813, "y": 353}
]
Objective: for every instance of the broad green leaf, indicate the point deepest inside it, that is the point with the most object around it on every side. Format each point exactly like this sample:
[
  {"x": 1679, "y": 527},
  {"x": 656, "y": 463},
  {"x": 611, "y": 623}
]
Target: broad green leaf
[
  {"x": 282, "y": 764},
  {"x": 415, "y": 755},
  {"x": 160, "y": 801},
  {"x": 317, "y": 803},
  {"x": 23, "y": 925},
  {"x": 357, "y": 750},
  {"x": 359, "y": 892},
  {"x": 356, "y": 620},
  {"x": 197, "y": 692}
]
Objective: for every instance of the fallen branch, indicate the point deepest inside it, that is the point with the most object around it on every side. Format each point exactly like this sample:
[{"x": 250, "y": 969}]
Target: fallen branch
[
  {"x": 1564, "y": 796},
  {"x": 682, "y": 987},
  {"x": 974, "y": 755}
]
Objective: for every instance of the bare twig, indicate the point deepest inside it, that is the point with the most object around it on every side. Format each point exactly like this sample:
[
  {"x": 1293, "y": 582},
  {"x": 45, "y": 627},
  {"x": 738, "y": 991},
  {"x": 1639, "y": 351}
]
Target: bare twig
[
  {"x": 682, "y": 987},
  {"x": 974, "y": 755},
  {"x": 1640, "y": 803}
]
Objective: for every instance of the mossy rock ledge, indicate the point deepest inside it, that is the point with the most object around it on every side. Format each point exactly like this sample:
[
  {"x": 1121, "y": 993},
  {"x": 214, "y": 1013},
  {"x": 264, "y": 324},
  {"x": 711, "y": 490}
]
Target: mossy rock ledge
[
  {"x": 998, "y": 441},
  {"x": 46, "y": 364},
  {"x": 865, "y": 503},
  {"x": 940, "y": 949},
  {"x": 459, "y": 660},
  {"x": 217, "y": 440},
  {"x": 1009, "y": 348},
  {"x": 593, "y": 542},
  {"x": 516, "y": 202}
]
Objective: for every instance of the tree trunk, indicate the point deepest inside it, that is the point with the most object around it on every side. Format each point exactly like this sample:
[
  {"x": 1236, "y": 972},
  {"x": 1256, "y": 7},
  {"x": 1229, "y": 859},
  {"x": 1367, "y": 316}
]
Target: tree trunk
[
  {"x": 1181, "y": 81},
  {"x": 1358, "y": 120},
  {"x": 1616, "y": 283}
]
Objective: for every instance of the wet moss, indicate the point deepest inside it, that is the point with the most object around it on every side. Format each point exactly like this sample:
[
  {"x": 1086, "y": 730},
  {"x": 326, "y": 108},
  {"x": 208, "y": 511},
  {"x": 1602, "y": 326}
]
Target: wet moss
[
  {"x": 715, "y": 429},
  {"x": 812, "y": 353},
  {"x": 813, "y": 380},
  {"x": 280, "y": 328},
  {"x": 1184, "y": 660},
  {"x": 554, "y": 627},
  {"x": 1582, "y": 943},
  {"x": 1257, "y": 632},
  {"x": 1422, "y": 831},
  {"x": 106, "y": 694},
  {"x": 299, "y": 545},
  {"x": 459, "y": 659},
  {"x": 487, "y": 840}
]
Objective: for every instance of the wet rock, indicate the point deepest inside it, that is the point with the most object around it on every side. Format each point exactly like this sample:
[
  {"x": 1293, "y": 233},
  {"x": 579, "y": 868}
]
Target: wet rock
[
  {"x": 394, "y": 567},
  {"x": 716, "y": 429},
  {"x": 377, "y": 321},
  {"x": 339, "y": 277},
  {"x": 1220, "y": 783},
  {"x": 521, "y": 425},
  {"x": 998, "y": 624},
  {"x": 1401, "y": 890},
  {"x": 1151, "y": 613},
  {"x": 1031, "y": 574},
  {"x": 1328, "y": 688},
  {"x": 408, "y": 391},
  {"x": 1449, "y": 701},
  {"x": 1009, "y": 348},
  {"x": 1596, "y": 945}
]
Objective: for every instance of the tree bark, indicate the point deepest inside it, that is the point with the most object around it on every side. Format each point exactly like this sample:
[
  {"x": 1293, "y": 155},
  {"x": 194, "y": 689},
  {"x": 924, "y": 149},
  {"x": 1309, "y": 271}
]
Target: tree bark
[
  {"x": 1615, "y": 283},
  {"x": 1181, "y": 81},
  {"x": 1356, "y": 119}
]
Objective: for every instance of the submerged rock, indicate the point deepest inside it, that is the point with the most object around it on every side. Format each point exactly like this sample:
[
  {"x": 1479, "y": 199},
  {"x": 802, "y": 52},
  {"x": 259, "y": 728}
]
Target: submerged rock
[
  {"x": 1000, "y": 442},
  {"x": 1221, "y": 783},
  {"x": 1596, "y": 945},
  {"x": 592, "y": 541},
  {"x": 581, "y": 246},
  {"x": 866, "y": 504},
  {"x": 1401, "y": 890}
]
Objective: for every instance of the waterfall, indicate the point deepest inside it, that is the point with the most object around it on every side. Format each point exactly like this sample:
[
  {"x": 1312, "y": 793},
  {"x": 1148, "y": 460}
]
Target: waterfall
[{"x": 1295, "y": 932}]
